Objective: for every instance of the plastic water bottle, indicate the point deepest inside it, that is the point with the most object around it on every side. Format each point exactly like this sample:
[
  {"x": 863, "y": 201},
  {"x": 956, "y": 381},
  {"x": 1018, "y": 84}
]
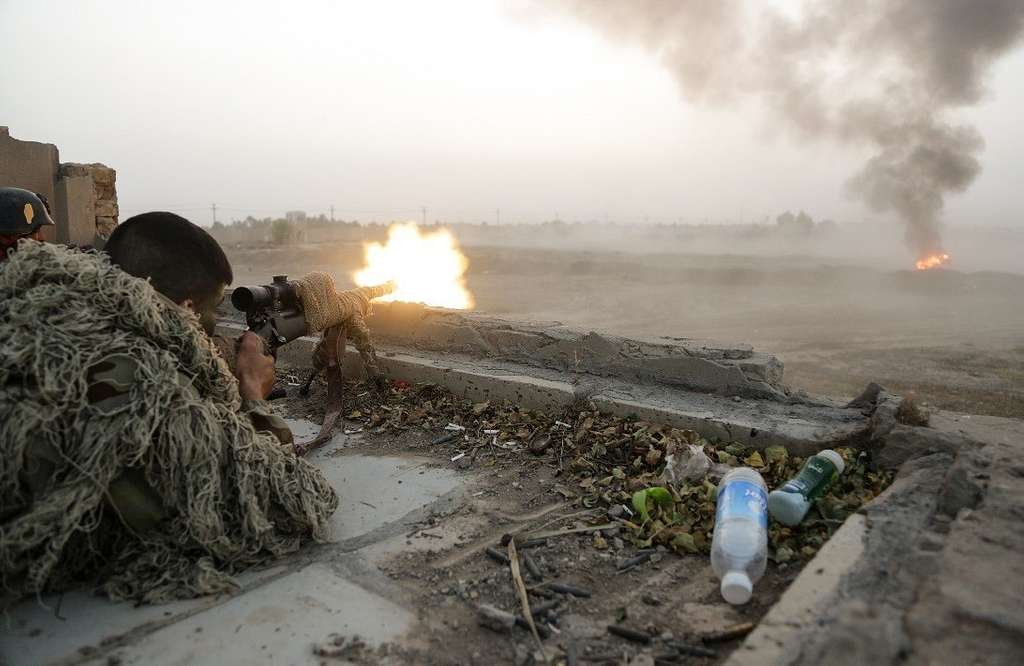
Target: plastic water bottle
[
  {"x": 790, "y": 503},
  {"x": 739, "y": 547}
]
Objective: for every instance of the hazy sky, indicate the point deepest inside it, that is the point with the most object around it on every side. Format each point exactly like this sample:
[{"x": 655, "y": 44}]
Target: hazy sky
[{"x": 462, "y": 106}]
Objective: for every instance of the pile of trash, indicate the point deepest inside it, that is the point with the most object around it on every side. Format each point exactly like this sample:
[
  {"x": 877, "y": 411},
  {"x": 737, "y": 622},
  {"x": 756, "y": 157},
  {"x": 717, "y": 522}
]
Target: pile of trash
[{"x": 657, "y": 481}]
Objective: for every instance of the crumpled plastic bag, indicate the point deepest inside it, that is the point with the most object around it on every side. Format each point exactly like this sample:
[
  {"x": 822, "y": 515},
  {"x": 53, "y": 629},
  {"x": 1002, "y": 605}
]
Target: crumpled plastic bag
[{"x": 687, "y": 465}]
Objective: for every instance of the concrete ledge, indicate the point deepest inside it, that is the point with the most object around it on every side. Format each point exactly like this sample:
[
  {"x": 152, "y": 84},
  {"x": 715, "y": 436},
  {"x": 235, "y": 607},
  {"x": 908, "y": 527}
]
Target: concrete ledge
[
  {"x": 802, "y": 428},
  {"x": 696, "y": 365},
  {"x": 693, "y": 364}
]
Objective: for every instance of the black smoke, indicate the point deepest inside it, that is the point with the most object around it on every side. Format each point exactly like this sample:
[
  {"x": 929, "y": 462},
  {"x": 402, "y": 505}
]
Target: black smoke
[{"x": 885, "y": 73}]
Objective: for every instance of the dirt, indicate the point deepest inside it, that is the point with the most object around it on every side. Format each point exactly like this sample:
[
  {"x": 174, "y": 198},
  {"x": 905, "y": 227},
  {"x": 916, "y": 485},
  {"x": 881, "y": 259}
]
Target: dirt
[
  {"x": 955, "y": 339},
  {"x": 445, "y": 570}
]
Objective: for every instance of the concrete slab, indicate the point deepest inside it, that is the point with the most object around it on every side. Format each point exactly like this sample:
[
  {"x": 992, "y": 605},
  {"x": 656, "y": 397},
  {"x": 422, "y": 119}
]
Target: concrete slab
[
  {"x": 278, "y": 623},
  {"x": 374, "y": 491},
  {"x": 673, "y": 361},
  {"x": 64, "y": 630},
  {"x": 280, "y": 611}
]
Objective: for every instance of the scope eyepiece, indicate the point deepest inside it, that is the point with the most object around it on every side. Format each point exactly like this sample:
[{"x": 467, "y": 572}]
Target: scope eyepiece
[
  {"x": 280, "y": 295},
  {"x": 249, "y": 299}
]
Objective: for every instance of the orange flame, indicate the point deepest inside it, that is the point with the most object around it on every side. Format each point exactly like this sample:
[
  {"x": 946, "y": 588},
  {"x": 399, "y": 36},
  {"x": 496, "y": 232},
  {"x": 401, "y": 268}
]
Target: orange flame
[
  {"x": 932, "y": 261},
  {"x": 426, "y": 267}
]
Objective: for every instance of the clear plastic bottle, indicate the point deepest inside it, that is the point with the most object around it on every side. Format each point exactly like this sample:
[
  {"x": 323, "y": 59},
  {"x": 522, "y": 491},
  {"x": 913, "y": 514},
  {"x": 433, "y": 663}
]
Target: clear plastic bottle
[{"x": 739, "y": 547}]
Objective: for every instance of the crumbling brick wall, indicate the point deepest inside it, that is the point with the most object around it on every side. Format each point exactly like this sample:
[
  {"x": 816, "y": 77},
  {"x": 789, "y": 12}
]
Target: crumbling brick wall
[{"x": 102, "y": 180}]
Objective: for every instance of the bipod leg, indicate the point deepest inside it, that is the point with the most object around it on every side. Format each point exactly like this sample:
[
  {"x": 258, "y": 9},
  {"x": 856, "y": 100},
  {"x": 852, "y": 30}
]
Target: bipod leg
[
  {"x": 304, "y": 389},
  {"x": 334, "y": 352}
]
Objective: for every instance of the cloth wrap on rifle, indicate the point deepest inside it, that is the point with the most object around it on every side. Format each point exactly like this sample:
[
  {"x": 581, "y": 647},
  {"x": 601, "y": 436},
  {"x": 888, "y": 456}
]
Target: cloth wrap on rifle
[
  {"x": 234, "y": 497},
  {"x": 325, "y": 307}
]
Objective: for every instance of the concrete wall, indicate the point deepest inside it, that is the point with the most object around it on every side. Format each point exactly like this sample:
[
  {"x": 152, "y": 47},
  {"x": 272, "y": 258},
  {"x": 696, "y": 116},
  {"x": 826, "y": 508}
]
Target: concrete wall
[
  {"x": 83, "y": 197},
  {"x": 697, "y": 365},
  {"x": 75, "y": 208}
]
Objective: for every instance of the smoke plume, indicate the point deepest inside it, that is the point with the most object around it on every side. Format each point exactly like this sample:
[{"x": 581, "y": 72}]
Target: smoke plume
[{"x": 885, "y": 73}]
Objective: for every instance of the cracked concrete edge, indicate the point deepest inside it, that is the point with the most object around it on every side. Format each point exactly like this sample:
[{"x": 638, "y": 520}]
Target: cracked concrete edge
[
  {"x": 714, "y": 417},
  {"x": 697, "y": 365},
  {"x": 864, "y": 563},
  {"x": 928, "y": 572},
  {"x": 779, "y": 634}
]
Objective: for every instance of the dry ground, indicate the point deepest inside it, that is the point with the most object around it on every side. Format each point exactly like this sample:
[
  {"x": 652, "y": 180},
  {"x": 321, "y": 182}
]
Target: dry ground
[
  {"x": 955, "y": 339},
  {"x": 442, "y": 568}
]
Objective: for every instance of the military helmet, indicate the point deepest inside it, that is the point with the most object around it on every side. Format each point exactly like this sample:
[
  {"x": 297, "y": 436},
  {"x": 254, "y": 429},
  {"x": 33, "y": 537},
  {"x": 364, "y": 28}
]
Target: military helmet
[{"x": 21, "y": 212}]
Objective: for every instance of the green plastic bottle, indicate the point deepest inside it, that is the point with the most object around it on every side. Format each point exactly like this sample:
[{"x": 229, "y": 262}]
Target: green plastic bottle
[{"x": 790, "y": 503}]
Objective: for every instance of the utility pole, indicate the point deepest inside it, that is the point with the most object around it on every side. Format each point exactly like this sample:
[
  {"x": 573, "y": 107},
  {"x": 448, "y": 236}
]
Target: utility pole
[
  {"x": 332, "y": 212},
  {"x": 213, "y": 207},
  {"x": 424, "y": 209}
]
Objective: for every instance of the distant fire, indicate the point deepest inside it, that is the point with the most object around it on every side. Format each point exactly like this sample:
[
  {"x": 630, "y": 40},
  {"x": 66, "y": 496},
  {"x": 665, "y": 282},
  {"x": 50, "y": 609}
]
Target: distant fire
[
  {"x": 426, "y": 266},
  {"x": 932, "y": 261}
]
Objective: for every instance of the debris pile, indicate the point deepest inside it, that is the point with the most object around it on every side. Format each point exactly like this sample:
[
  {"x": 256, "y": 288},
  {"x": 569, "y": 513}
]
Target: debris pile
[
  {"x": 591, "y": 577},
  {"x": 656, "y": 481}
]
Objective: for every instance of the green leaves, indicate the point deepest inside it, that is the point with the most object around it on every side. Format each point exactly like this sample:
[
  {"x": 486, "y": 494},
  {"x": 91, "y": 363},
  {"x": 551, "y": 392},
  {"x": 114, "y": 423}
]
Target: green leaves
[{"x": 658, "y": 497}]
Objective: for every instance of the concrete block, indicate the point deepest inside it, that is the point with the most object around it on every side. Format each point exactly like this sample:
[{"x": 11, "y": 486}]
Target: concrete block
[
  {"x": 692, "y": 364},
  {"x": 74, "y": 202},
  {"x": 375, "y": 491}
]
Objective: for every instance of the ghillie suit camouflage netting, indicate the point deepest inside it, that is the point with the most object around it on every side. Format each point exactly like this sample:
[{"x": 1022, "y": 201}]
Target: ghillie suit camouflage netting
[{"x": 234, "y": 496}]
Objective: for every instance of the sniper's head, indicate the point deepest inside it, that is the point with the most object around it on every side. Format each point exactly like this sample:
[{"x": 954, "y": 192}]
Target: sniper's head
[{"x": 181, "y": 261}]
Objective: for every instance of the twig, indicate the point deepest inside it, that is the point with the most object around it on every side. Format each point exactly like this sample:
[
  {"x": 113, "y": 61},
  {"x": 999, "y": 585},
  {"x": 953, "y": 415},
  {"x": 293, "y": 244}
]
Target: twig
[{"x": 524, "y": 599}]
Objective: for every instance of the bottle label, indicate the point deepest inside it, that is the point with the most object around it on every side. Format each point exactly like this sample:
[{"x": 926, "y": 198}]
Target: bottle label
[
  {"x": 817, "y": 474},
  {"x": 742, "y": 499}
]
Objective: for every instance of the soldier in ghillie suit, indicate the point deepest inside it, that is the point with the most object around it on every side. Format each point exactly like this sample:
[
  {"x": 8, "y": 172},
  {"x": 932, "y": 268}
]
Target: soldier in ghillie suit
[
  {"x": 23, "y": 215},
  {"x": 133, "y": 457}
]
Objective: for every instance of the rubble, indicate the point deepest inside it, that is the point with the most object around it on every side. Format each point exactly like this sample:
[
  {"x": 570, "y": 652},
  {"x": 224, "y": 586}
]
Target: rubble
[{"x": 610, "y": 459}]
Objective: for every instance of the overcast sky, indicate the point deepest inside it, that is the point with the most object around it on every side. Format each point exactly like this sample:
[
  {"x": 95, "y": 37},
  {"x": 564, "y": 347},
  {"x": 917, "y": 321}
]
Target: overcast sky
[{"x": 462, "y": 106}]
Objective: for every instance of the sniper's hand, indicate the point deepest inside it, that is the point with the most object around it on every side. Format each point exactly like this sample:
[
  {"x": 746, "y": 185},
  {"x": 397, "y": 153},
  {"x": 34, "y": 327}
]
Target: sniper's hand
[{"x": 253, "y": 368}]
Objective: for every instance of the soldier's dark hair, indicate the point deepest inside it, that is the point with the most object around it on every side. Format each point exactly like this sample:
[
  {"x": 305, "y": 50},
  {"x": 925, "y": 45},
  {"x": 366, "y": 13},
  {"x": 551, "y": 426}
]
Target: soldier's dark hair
[{"x": 180, "y": 259}]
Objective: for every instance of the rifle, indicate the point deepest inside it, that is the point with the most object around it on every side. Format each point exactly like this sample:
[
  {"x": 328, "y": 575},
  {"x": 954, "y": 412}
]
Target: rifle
[
  {"x": 276, "y": 314},
  {"x": 272, "y": 311}
]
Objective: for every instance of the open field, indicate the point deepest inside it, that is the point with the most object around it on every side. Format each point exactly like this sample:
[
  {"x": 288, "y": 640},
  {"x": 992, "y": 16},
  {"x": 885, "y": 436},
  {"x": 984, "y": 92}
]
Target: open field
[{"x": 954, "y": 338}]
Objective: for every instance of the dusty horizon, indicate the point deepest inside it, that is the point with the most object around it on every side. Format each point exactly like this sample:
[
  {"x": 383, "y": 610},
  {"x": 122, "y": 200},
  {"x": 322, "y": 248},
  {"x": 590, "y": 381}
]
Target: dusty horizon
[{"x": 473, "y": 111}]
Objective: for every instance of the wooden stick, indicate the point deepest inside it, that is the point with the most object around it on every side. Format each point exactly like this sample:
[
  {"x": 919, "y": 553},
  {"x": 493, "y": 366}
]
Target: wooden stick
[{"x": 524, "y": 599}]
